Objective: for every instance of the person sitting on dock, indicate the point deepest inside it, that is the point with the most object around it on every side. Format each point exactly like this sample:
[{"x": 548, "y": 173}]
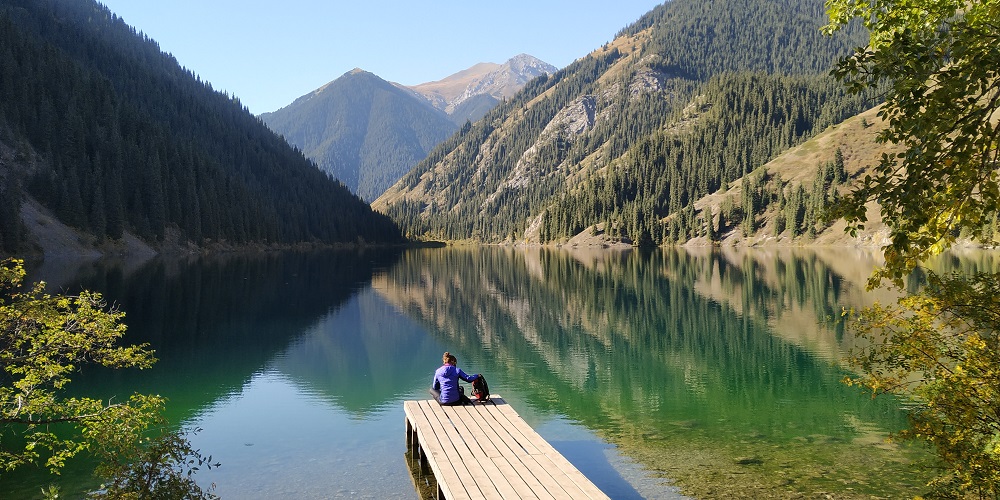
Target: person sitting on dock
[{"x": 445, "y": 388}]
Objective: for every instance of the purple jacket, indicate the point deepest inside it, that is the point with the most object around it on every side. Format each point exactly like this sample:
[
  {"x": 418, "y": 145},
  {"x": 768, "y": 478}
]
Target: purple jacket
[{"x": 446, "y": 381}]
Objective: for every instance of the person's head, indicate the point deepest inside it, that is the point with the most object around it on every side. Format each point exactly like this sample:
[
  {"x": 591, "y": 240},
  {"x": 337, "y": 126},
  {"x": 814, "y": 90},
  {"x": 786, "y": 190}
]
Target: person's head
[{"x": 449, "y": 358}]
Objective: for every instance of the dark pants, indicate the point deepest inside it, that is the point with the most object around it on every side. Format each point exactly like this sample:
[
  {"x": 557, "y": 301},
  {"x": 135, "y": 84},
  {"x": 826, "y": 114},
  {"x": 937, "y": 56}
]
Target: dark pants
[{"x": 460, "y": 401}]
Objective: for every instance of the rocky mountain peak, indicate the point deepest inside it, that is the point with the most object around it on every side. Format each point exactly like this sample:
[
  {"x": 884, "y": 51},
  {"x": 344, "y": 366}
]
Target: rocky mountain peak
[
  {"x": 481, "y": 84},
  {"x": 529, "y": 65},
  {"x": 506, "y": 80}
]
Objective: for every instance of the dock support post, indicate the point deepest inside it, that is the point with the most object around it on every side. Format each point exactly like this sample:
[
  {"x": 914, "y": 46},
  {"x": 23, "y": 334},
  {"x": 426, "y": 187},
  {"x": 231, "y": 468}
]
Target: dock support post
[
  {"x": 409, "y": 433},
  {"x": 425, "y": 466},
  {"x": 417, "y": 451}
]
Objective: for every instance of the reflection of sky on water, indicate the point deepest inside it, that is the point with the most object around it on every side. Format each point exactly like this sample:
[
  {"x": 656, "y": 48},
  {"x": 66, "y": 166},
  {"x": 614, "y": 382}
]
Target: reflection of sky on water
[{"x": 277, "y": 441}]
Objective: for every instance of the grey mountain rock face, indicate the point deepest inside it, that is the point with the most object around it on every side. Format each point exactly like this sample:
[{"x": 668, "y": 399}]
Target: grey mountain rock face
[
  {"x": 506, "y": 80},
  {"x": 469, "y": 94}
]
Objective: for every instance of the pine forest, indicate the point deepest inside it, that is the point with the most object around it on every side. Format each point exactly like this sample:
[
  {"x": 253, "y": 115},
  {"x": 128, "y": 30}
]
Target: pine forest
[{"x": 112, "y": 135}]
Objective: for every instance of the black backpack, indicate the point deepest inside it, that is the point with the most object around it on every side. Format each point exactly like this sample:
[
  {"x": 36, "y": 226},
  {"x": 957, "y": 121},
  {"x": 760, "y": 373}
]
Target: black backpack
[{"x": 480, "y": 390}]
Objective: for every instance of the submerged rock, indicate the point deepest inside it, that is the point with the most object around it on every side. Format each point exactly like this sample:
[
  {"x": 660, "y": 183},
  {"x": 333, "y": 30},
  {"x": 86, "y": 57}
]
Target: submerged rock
[{"x": 749, "y": 461}]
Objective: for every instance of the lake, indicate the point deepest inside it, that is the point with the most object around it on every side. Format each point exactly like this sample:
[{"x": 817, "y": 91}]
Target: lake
[{"x": 714, "y": 370}]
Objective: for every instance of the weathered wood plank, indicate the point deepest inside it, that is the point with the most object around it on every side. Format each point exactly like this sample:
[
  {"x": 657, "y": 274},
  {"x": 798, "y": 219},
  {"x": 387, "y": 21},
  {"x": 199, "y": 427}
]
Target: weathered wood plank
[
  {"x": 482, "y": 472},
  {"x": 505, "y": 419},
  {"x": 523, "y": 473},
  {"x": 569, "y": 485},
  {"x": 587, "y": 488},
  {"x": 474, "y": 420},
  {"x": 488, "y": 451},
  {"x": 431, "y": 448},
  {"x": 520, "y": 486},
  {"x": 512, "y": 454},
  {"x": 471, "y": 478},
  {"x": 469, "y": 422},
  {"x": 444, "y": 470},
  {"x": 507, "y": 442},
  {"x": 546, "y": 448}
]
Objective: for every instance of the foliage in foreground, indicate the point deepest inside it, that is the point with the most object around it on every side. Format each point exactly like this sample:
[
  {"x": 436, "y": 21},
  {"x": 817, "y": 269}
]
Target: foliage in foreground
[
  {"x": 939, "y": 60},
  {"x": 43, "y": 340},
  {"x": 942, "y": 346}
]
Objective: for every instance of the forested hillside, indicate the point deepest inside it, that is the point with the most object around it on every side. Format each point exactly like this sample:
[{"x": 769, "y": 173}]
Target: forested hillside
[
  {"x": 693, "y": 96},
  {"x": 114, "y": 136},
  {"x": 363, "y": 130},
  {"x": 368, "y": 132}
]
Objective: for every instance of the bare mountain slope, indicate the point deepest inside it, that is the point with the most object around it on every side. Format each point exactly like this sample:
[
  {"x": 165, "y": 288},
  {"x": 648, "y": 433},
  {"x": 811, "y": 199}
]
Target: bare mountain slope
[{"x": 442, "y": 92}]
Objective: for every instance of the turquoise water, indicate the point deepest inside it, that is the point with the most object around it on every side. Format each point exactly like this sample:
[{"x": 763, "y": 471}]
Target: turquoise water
[{"x": 646, "y": 369}]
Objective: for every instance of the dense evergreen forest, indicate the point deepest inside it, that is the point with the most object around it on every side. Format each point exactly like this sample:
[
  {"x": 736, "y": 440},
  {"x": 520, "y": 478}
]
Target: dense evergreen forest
[
  {"x": 112, "y": 135},
  {"x": 753, "y": 117},
  {"x": 693, "y": 96}
]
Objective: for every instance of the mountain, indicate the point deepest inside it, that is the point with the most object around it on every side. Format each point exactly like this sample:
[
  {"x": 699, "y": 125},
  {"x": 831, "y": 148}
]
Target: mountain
[
  {"x": 684, "y": 102},
  {"x": 108, "y": 135},
  {"x": 363, "y": 130},
  {"x": 468, "y": 95},
  {"x": 368, "y": 132},
  {"x": 790, "y": 192},
  {"x": 442, "y": 92}
]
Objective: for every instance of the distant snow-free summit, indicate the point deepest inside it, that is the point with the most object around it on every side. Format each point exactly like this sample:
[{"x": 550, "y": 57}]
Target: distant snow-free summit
[
  {"x": 469, "y": 94},
  {"x": 368, "y": 132}
]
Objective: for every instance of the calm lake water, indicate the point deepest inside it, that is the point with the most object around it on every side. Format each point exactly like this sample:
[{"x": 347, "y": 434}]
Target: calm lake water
[{"x": 714, "y": 370}]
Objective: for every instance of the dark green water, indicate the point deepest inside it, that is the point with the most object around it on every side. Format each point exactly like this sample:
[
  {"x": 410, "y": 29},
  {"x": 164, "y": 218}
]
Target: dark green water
[{"x": 715, "y": 371}]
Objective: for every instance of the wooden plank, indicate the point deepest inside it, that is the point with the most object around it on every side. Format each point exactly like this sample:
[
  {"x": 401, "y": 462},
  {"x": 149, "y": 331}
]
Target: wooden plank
[
  {"x": 573, "y": 476},
  {"x": 443, "y": 472},
  {"x": 540, "y": 481},
  {"x": 523, "y": 473},
  {"x": 456, "y": 452},
  {"x": 503, "y": 421},
  {"x": 510, "y": 485},
  {"x": 468, "y": 452},
  {"x": 513, "y": 440},
  {"x": 583, "y": 486},
  {"x": 507, "y": 442},
  {"x": 466, "y": 421},
  {"x": 520, "y": 486},
  {"x": 473, "y": 420},
  {"x": 509, "y": 462},
  {"x": 488, "y": 451},
  {"x": 560, "y": 481},
  {"x": 447, "y": 473}
]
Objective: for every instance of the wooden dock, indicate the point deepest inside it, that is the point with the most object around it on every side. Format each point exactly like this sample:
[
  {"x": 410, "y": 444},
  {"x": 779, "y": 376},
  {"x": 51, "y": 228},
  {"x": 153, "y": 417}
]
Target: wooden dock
[{"x": 488, "y": 451}]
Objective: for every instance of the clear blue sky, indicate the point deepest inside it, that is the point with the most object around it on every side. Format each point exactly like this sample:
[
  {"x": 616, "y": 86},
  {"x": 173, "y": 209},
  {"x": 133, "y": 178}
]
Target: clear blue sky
[{"x": 268, "y": 53}]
